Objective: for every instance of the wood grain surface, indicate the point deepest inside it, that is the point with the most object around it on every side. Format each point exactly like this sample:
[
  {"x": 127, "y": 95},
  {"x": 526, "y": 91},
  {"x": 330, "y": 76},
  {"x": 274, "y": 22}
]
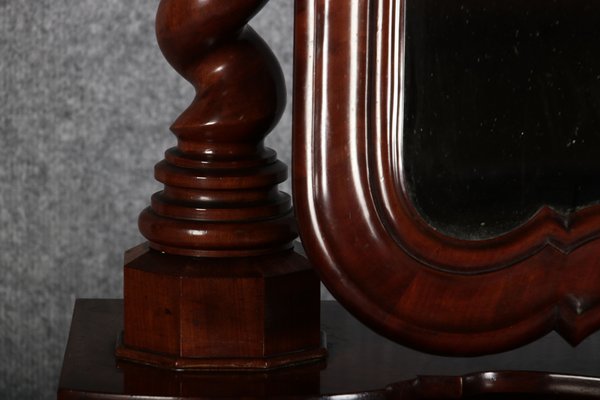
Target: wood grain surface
[
  {"x": 218, "y": 285},
  {"x": 220, "y": 196},
  {"x": 374, "y": 251},
  {"x": 361, "y": 365}
]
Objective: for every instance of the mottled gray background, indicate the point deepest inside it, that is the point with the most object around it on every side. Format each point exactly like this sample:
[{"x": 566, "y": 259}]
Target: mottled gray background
[{"x": 86, "y": 99}]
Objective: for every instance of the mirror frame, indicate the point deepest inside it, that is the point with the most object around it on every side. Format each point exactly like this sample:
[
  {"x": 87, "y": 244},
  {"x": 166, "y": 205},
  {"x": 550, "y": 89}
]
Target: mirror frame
[{"x": 373, "y": 250}]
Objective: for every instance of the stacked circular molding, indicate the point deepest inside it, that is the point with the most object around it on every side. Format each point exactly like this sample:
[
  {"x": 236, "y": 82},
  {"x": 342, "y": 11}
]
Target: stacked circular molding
[{"x": 220, "y": 196}]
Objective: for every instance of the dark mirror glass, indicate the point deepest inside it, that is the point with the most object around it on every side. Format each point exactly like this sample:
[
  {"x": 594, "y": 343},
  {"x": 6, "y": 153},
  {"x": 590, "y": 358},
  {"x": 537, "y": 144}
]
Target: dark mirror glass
[{"x": 502, "y": 111}]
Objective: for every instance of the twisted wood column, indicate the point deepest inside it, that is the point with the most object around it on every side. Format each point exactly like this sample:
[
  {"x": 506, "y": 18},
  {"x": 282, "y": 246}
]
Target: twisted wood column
[
  {"x": 218, "y": 285},
  {"x": 220, "y": 196}
]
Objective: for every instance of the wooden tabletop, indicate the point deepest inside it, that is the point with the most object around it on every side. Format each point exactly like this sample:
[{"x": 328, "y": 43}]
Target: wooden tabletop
[{"x": 361, "y": 364}]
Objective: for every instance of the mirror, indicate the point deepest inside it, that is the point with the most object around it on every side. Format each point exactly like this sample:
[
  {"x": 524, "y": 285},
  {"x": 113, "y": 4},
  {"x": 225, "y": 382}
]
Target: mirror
[{"x": 502, "y": 111}]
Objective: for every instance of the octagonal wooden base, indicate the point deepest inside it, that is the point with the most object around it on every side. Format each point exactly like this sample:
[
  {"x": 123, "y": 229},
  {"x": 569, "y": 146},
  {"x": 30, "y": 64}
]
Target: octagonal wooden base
[{"x": 220, "y": 313}]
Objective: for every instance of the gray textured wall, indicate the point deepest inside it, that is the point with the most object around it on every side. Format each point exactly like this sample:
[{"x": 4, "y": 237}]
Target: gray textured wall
[{"x": 86, "y": 99}]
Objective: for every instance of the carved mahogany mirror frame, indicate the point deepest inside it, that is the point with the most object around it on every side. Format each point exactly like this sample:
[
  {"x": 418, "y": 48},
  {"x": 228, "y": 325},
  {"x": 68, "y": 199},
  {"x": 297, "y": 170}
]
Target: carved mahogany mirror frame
[{"x": 373, "y": 249}]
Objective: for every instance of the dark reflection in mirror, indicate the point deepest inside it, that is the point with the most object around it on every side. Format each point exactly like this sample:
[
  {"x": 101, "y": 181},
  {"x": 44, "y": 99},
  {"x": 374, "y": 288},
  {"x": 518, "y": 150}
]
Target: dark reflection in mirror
[{"x": 502, "y": 111}]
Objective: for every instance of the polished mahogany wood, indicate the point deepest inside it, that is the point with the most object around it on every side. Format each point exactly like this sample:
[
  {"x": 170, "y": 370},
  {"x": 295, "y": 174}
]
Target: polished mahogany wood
[
  {"x": 241, "y": 313},
  {"x": 360, "y": 227},
  {"x": 218, "y": 285},
  {"x": 361, "y": 365},
  {"x": 220, "y": 196}
]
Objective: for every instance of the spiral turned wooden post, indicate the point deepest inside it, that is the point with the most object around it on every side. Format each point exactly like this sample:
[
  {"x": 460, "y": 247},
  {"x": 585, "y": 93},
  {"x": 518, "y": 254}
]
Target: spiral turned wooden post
[
  {"x": 217, "y": 286},
  {"x": 220, "y": 196}
]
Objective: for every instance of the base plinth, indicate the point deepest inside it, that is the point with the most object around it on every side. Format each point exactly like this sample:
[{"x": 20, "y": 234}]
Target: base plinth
[
  {"x": 220, "y": 313},
  {"x": 221, "y": 364}
]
